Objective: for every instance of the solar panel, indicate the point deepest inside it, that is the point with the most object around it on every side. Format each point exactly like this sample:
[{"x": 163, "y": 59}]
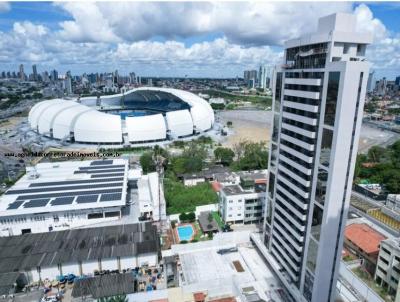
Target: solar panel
[
  {"x": 75, "y": 182},
  {"x": 15, "y": 205},
  {"x": 101, "y": 162},
  {"x": 99, "y": 171},
  {"x": 110, "y": 197},
  {"x": 101, "y": 167},
  {"x": 69, "y": 188},
  {"x": 64, "y": 194},
  {"x": 108, "y": 175},
  {"x": 62, "y": 201},
  {"x": 86, "y": 198},
  {"x": 36, "y": 203}
]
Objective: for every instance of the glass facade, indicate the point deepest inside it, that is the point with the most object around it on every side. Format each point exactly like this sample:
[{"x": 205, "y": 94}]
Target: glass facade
[
  {"x": 312, "y": 254},
  {"x": 316, "y": 222},
  {"x": 274, "y": 155},
  {"x": 278, "y": 91},
  {"x": 275, "y": 130},
  {"x": 331, "y": 98},
  {"x": 320, "y": 190},
  {"x": 271, "y": 185},
  {"x": 326, "y": 147}
]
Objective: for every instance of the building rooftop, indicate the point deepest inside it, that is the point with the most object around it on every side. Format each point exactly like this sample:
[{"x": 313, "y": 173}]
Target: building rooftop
[
  {"x": 70, "y": 185},
  {"x": 205, "y": 224},
  {"x": 363, "y": 236},
  {"x": 233, "y": 190},
  {"x": 339, "y": 27},
  {"x": 20, "y": 253}
]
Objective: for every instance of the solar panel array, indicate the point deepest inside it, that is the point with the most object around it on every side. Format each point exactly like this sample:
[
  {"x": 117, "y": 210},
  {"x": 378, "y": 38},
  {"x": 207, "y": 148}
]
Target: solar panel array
[
  {"x": 87, "y": 198},
  {"x": 35, "y": 203},
  {"x": 101, "y": 186},
  {"x": 102, "y": 162},
  {"x": 110, "y": 197}
]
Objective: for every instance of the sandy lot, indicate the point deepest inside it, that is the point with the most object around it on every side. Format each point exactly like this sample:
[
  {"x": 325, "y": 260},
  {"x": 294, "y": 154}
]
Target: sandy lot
[{"x": 254, "y": 125}]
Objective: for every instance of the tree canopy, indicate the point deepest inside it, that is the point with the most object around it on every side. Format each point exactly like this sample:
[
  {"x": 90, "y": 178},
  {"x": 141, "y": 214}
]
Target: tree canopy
[{"x": 380, "y": 165}]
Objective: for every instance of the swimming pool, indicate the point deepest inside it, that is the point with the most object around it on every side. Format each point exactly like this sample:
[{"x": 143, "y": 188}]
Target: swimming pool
[{"x": 185, "y": 232}]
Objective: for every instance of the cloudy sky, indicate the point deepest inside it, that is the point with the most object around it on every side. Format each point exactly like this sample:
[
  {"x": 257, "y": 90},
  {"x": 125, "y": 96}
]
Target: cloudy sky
[{"x": 199, "y": 39}]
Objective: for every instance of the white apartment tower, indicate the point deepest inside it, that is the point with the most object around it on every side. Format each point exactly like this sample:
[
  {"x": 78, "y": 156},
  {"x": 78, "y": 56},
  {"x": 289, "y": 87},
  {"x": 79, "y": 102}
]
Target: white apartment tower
[{"x": 319, "y": 96}]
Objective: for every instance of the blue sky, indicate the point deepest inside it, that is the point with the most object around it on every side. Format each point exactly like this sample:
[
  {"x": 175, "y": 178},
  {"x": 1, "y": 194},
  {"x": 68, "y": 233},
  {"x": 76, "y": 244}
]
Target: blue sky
[{"x": 161, "y": 39}]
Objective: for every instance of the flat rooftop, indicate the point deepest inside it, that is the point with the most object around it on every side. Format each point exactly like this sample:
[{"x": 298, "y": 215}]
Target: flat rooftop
[
  {"x": 231, "y": 273},
  {"x": 64, "y": 186},
  {"x": 24, "y": 252},
  {"x": 233, "y": 190}
]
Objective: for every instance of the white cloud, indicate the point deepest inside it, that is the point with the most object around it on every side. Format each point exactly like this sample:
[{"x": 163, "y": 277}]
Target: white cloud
[
  {"x": 118, "y": 35},
  {"x": 250, "y": 23},
  {"x": 89, "y": 25},
  {"x": 4, "y": 7}
]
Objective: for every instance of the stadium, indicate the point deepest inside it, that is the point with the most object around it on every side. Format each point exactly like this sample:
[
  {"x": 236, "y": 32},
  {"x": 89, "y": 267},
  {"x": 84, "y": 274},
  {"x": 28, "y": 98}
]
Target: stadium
[{"x": 141, "y": 115}]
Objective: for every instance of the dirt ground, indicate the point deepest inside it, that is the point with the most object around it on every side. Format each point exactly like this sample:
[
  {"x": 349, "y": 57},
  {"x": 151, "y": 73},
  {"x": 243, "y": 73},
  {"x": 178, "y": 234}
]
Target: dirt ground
[
  {"x": 252, "y": 125},
  {"x": 255, "y": 125}
]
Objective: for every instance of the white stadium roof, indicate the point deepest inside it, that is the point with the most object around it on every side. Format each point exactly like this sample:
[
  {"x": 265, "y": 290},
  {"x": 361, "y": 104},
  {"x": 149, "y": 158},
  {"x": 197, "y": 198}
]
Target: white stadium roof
[{"x": 177, "y": 113}]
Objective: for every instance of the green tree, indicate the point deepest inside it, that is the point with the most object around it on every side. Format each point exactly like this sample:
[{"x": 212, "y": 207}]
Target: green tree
[
  {"x": 147, "y": 162},
  {"x": 251, "y": 156},
  {"x": 224, "y": 155},
  {"x": 376, "y": 153}
]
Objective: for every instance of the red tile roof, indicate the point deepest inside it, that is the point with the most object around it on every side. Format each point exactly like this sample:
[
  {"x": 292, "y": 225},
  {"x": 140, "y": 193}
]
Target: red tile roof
[
  {"x": 216, "y": 186},
  {"x": 364, "y": 237}
]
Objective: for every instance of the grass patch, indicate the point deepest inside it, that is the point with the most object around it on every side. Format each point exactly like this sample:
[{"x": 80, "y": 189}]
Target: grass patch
[{"x": 182, "y": 199}]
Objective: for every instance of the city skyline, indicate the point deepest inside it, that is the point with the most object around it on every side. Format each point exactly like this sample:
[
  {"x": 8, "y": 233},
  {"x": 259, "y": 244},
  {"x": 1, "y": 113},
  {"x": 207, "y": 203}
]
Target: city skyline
[{"x": 206, "y": 39}]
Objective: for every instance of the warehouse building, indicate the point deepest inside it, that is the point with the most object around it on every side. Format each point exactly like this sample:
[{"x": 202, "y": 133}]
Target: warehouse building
[
  {"x": 80, "y": 252},
  {"x": 63, "y": 195}
]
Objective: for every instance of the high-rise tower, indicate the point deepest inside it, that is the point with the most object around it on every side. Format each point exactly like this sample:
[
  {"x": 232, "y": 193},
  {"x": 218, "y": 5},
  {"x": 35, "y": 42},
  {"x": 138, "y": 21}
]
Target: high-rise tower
[{"x": 319, "y": 96}]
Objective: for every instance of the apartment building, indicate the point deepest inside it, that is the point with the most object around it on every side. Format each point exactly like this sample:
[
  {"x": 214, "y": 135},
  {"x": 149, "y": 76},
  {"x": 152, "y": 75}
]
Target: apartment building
[
  {"x": 387, "y": 272},
  {"x": 318, "y": 94},
  {"x": 242, "y": 197}
]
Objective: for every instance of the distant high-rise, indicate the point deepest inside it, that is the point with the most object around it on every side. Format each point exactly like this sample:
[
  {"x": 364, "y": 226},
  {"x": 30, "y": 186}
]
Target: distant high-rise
[
  {"x": 68, "y": 83},
  {"x": 54, "y": 75},
  {"x": 262, "y": 77},
  {"x": 21, "y": 72},
  {"x": 397, "y": 81},
  {"x": 370, "y": 82},
  {"x": 35, "y": 74},
  {"x": 132, "y": 78},
  {"x": 319, "y": 94},
  {"x": 250, "y": 78}
]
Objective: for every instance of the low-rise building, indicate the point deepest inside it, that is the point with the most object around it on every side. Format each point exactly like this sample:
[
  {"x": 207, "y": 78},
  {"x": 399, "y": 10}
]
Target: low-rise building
[
  {"x": 244, "y": 200},
  {"x": 61, "y": 195},
  {"x": 149, "y": 195},
  {"x": 388, "y": 268},
  {"x": 363, "y": 241}
]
